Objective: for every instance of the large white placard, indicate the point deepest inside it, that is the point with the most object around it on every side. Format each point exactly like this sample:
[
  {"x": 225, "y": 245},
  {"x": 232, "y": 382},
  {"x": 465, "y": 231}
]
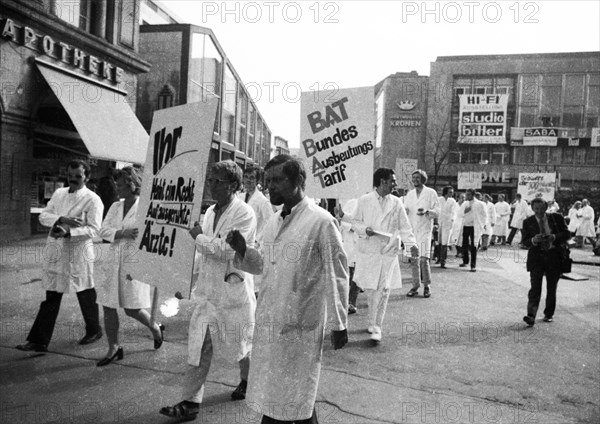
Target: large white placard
[
  {"x": 404, "y": 170},
  {"x": 469, "y": 179},
  {"x": 482, "y": 118},
  {"x": 337, "y": 142},
  {"x": 535, "y": 184},
  {"x": 171, "y": 195}
]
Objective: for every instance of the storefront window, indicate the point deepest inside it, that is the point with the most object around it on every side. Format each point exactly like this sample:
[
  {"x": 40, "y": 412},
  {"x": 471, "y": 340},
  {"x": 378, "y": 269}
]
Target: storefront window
[
  {"x": 229, "y": 106},
  {"x": 568, "y": 155},
  {"x": 572, "y": 117},
  {"x": 251, "y": 128},
  {"x": 242, "y": 118},
  {"x": 528, "y": 116},
  {"x": 551, "y": 102},
  {"x": 523, "y": 155}
]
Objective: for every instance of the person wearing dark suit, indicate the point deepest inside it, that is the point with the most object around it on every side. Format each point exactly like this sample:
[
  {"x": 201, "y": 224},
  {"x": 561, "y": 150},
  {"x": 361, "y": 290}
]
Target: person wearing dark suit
[{"x": 542, "y": 234}]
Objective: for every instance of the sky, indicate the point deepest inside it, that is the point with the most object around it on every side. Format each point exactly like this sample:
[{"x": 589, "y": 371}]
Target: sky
[{"x": 283, "y": 48}]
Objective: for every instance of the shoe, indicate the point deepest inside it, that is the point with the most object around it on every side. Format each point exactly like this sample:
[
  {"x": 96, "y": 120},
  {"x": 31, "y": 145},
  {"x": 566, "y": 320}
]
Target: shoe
[
  {"x": 183, "y": 410},
  {"x": 91, "y": 338},
  {"x": 463, "y": 265},
  {"x": 473, "y": 270},
  {"x": 530, "y": 321},
  {"x": 158, "y": 343},
  {"x": 412, "y": 293},
  {"x": 33, "y": 347},
  {"x": 548, "y": 319},
  {"x": 426, "y": 292},
  {"x": 370, "y": 329},
  {"x": 351, "y": 309},
  {"x": 240, "y": 391},
  {"x": 376, "y": 335},
  {"x": 118, "y": 355},
  {"x": 443, "y": 266}
]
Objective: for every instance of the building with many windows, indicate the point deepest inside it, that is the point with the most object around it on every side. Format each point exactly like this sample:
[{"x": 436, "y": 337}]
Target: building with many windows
[
  {"x": 281, "y": 146},
  {"x": 502, "y": 115},
  {"x": 69, "y": 82},
  {"x": 187, "y": 63}
]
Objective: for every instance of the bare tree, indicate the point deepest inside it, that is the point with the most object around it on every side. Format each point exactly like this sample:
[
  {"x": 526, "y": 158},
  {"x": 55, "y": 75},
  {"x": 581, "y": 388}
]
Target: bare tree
[{"x": 437, "y": 145}]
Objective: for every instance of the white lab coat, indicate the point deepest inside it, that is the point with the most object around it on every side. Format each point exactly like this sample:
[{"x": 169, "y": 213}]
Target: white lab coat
[
  {"x": 479, "y": 212},
  {"x": 448, "y": 209},
  {"x": 456, "y": 233},
  {"x": 262, "y": 210},
  {"x": 521, "y": 212},
  {"x": 116, "y": 290},
  {"x": 502, "y": 216},
  {"x": 375, "y": 263},
  {"x": 69, "y": 262},
  {"x": 573, "y": 220},
  {"x": 226, "y": 309},
  {"x": 491, "y": 218},
  {"x": 422, "y": 225},
  {"x": 586, "y": 224},
  {"x": 349, "y": 236},
  {"x": 305, "y": 286}
]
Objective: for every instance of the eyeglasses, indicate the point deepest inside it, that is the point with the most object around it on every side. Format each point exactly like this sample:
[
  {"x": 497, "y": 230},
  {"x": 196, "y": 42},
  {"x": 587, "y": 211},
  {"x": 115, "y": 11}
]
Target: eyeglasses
[{"x": 213, "y": 181}]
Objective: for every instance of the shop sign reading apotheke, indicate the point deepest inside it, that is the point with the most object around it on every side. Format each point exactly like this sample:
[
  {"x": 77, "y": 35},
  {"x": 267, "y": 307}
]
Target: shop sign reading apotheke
[{"x": 77, "y": 58}]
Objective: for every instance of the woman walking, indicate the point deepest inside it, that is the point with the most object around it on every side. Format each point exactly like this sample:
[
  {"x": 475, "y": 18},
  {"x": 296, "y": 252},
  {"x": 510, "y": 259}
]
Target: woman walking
[{"x": 118, "y": 290}]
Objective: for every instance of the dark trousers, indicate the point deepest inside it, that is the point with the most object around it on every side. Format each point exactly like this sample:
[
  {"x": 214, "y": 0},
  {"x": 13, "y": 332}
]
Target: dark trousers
[
  {"x": 443, "y": 254},
  {"x": 550, "y": 266},
  {"x": 354, "y": 289},
  {"x": 511, "y": 236},
  {"x": 468, "y": 245},
  {"x": 311, "y": 420},
  {"x": 43, "y": 326}
]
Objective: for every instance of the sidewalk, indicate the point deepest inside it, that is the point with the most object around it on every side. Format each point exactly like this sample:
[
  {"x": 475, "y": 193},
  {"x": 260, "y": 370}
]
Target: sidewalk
[{"x": 462, "y": 356}]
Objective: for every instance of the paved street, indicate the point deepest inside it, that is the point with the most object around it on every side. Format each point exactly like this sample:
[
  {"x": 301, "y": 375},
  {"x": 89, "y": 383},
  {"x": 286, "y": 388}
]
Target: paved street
[{"x": 462, "y": 356}]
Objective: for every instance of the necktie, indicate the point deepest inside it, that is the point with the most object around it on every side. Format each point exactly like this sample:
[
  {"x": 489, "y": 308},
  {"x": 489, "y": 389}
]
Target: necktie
[
  {"x": 284, "y": 213},
  {"x": 247, "y": 197}
]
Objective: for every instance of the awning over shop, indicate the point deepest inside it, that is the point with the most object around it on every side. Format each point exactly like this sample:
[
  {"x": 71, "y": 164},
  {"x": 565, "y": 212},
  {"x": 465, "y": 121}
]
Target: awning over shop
[{"x": 102, "y": 117}]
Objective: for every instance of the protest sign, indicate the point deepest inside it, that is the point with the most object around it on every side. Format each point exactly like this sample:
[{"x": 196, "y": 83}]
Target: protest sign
[
  {"x": 469, "y": 179},
  {"x": 337, "y": 142},
  {"x": 404, "y": 170},
  {"x": 533, "y": 184},
  {"x": 171, "y": 195}
]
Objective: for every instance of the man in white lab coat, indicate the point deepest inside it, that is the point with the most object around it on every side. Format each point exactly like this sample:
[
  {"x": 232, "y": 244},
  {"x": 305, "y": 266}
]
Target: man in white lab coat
[
  {"x": 422, "y": 207},
  {"x": 502, "y": 216},
  {"x": 491, "y": 221},
  {"x": 75, "y": 215},
  {"x": 222, "y": 323},
  {"x": 448, "y": 208},
  {"x": 381, "y": 224},
  {"x": 521, "y": 212},
  {"x": 585, "y": 231},
  {"x": 262, "y": 209},
  {"x": 474, "y": 218},
  {"x": 305, "y": 290}
]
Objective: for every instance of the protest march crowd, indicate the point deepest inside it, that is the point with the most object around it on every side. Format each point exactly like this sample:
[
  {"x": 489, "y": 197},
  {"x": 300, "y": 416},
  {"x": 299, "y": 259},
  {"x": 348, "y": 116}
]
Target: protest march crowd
[{"x": 286, "y": 272}]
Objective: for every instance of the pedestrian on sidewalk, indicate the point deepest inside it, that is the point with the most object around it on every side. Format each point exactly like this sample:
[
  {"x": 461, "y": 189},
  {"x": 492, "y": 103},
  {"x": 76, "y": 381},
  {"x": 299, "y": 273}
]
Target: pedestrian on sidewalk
[
  {"x": 586, "y": 223},
  {"x": 573, "y": 218},
  {"x": 118, "y": 290},
  {"x": 74, "y": 214},
  {"x": 542, "y": 235},
  {"x": 521, "y": 212},
  {"x": 490, "y": 223},
  {"x": 298, "y": 299},
  {"x": 422, "y": 207},
  {"x": 457, "y": 227},
  {"x": 474, "y": 217},
  {"x": 222, "y": 323},
  {"x": 382, "y": 225}
]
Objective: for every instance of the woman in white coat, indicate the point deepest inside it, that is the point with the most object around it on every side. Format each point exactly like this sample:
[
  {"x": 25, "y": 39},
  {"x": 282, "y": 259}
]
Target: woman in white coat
[
  {"x": 118, "y": 290},
  {"x": 573, "y": 218},
  {"x": 586, "y": 226}
]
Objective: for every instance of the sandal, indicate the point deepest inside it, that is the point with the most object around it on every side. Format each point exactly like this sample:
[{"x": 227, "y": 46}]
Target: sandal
[{"x": 184, "y": 410}]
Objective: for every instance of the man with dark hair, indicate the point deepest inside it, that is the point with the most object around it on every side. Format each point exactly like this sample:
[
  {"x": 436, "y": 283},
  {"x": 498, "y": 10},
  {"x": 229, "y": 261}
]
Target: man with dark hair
[
  {"x": 542, "y": 234},
  {"x": 262, "y": 209},
  {"x": 381, "y": 224},
  {"x": 305, "y": 281},
  {"x": 75, "y": 215},
  {"x": 223, "y": 320},
  {"x": 474, "y": 218}
]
